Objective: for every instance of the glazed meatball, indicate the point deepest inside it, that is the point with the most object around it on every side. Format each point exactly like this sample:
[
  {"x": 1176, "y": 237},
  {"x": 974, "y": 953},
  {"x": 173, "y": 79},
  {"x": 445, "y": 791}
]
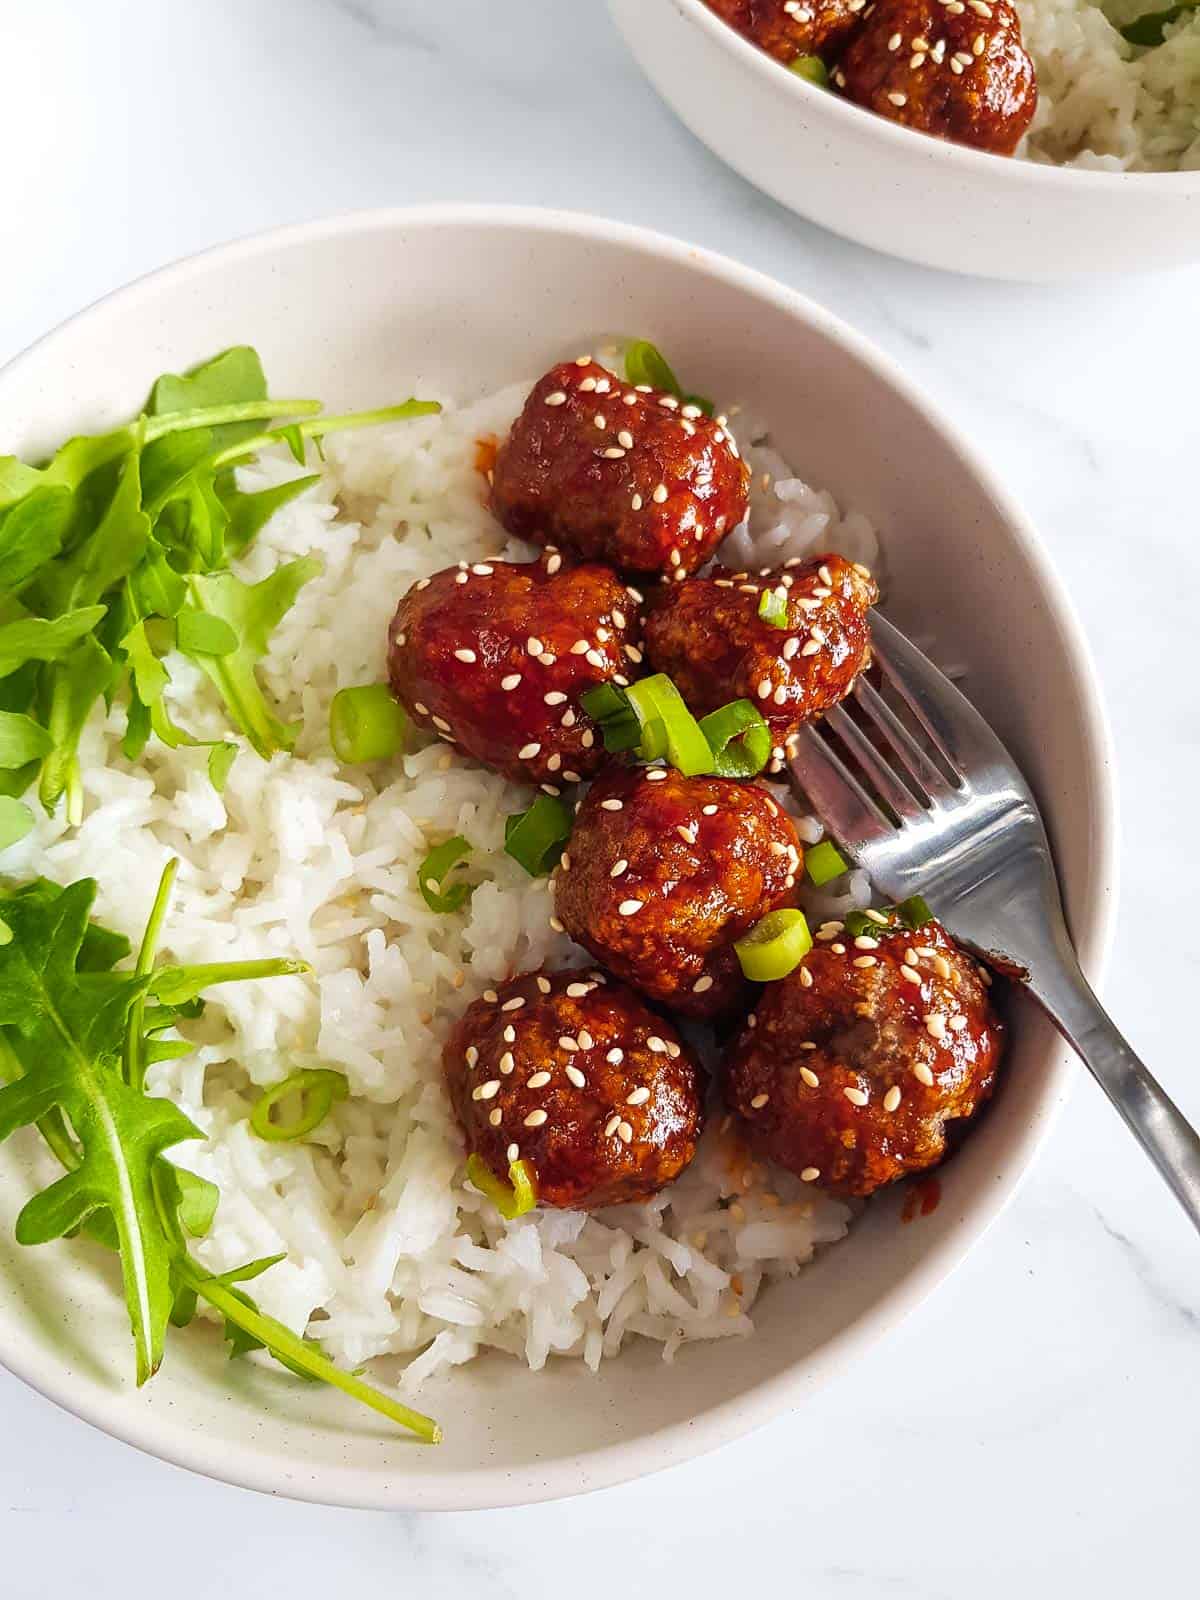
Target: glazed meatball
[
  {"x": 575, "y": 1075},
  {"x": 494, "y": 657},
  {"x": 664, "y": 873},
  {"x": 708, "y": 636},
  {"x": 786, "y": 29},
  {"x": 848, "y": 1070},
  {"x": 956, "y": 68},
  {"x": 629, "y": 476}
]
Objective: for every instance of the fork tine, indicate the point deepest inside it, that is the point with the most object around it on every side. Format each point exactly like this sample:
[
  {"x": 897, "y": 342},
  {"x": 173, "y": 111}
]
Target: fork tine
[
  {"x": 839, "y": 799},
  {"x": 916, "y": 763},
  {"x": 923, "y": 688},
  {"x": 886, "y": 783}
]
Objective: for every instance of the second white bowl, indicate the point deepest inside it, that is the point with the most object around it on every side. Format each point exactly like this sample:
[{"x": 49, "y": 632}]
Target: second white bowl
[{"x": 899, "y": 191}]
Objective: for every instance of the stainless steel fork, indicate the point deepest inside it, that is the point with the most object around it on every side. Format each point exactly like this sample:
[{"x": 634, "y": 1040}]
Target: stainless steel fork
[{"x": 970, "y": 839}]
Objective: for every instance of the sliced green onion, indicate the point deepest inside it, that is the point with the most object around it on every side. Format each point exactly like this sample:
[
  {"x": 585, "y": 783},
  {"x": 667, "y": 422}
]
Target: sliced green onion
[
  {"x": 739, "y": 739},
  {"x": 657, "y": 697},
  {"x": 914, "y": 912},
  {"x": 318, "y": 1088},
  {"x": 607, "y": 706},
  {"x": 536, "y": 837},
  {"x": 772, "y": 607},
  {"x": 433, "y": 870},
  {"x": 811, "y": 68},
  {"x": 858, "y": 923},
  {"x": 511, "y": 1199},
  {"x": 775, "y": 946},
  {"x": 823, "y": 863},
  {"x": 367, "y": 724},
  {"x": 645, "y": 363},
  {"x": 653, "y": 746}
]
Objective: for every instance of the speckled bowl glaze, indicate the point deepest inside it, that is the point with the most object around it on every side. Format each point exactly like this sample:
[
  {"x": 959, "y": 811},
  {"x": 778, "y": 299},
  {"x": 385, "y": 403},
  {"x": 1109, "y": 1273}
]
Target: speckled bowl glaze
[
  {"x": 351, "y": 309},
  {"x": 902, "y": 192}
]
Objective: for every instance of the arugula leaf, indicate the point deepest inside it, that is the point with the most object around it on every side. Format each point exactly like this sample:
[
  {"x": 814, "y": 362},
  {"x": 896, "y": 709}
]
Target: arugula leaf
[
  {"x": 15, "y": 822},
  {"x": 67, "y": 1031},
  {"x": 22, "y": 740},
  {"x": 198, "y": 633},
  {"x": 107, "y": 558},
  {"x": 75, "y": 685},
  {"x": 252, "y": 612},
  {"x": 249, "y": 513},
  {"x": 31, "y": 534},
  {"x": 41, "y": 639},
  {"x": 233, "y": 376},
  {"x": 220, "y": 759}
]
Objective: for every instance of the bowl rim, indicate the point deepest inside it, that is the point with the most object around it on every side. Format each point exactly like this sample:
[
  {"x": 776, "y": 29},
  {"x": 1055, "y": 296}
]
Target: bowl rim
[
  {"x": 962, "y": 161},
  {"x": 486, "y": 1487}
]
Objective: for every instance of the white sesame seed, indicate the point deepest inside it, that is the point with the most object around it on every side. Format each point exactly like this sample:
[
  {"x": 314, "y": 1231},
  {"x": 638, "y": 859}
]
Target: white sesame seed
[
  {"x": 513, "y": 1005},
  {"x": 584, "y": 361},
  {"x": 596, "y": 659},
  {"x": 496, "y": 1117},
  {"x": 894, "y": 42},
  {"x": 461, "y": 577},
  {"x": 567, "y": 1041},
  {"x": 611, "y": 805},
  {"x": 618, "y": 867},
  {"x": 568, "y": 719},
  {"x": 780, "y": 695},
  {"x": 615, "y": 1056},
  {"x": 535, "y": 1119},
  {"x": 864, "y": 961},
  {"x": 506, "y": 1063},
  {"x": 513, "y": 1153},
  {"x": 790, "y": 646},
  {"x": 856, "y": 1097},
  {"x": 923, "y": 1075},
  {"x": 558, "y": 398},
  {"x": 611, "y": 1126},
  {"x": 575, "y": 1076},
  {"x": 660, "y": 494},
  {"x": 441, "y": 724},
  {"x": 557, "y": 925},
  {"x": 810, "y": 648},
  {"x": 625, "y": 1133},
  {"x": 656, "y": 1044},
  {"x": 958, "y": 1022},
  {"x": 538, "y": 1081},
  {"x": 806, "y": 978},
  {"x": 911, "y": 975},
  {"x": 472, "y": 1055},
  {"x": 422, "y": 583},
  {"x": 685, "y": 833},
  {"x": 638, "y": 1097},
  {"x": 810, "y": 1174},
  {"x": 935, "y": 1025},
  {"x": 891, "y": 1099},
  {"x": 656, "y": 774},
  {"x": 810, "y": 1077},
  {"x": 764, "y": 689},
  {"x": 668, "y": 402},
  {"x": 585, "y": 1039},
  {"x": 554, "y": 698},
  {"x": 625, "y": 438},
  {"x": 510, "y": 1033},
  {"x": 613, "y": 453},
  {"x": 528, "y": 751},
  {"x": 490, "y": 996},
  {"x": 487, "y": 1091},
  {"x": 702, "y": 985},
  {"x": 510, "y": 682}
]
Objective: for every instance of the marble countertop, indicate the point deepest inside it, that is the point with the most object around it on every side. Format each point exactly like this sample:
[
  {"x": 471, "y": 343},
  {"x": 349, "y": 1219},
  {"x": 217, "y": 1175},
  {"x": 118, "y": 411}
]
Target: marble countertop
[{"x": 1034, "y": 1427}]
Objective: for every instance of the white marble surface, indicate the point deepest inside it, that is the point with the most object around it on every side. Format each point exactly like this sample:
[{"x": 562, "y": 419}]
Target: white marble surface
[{"x": 1035, "y": 1426}]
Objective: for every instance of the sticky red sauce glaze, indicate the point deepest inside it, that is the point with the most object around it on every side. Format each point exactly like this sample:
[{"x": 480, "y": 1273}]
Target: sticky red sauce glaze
[
  {"x": 866, "y": 1029},
  {"x": 954, "y": 68},
  {"x": 787, "y": 30},
  {"x": 706, "y": 634},
  {"x": 959, "y": 71},
  {"x": 663, "y": 873},
  {"x": 460, "y": 661},
  {"x": 485, "y": 455},
  {"x": 637, "y": 479},
  {"x": 549, "y": 1061},
  {"x": 922, "y": 1199}
]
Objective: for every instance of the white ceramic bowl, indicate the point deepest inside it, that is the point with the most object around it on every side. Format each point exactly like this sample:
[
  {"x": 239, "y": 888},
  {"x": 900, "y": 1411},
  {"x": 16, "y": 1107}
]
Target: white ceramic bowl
[
  {"x": 350, "y": 310},
  {"x": 894, "y": 189}
]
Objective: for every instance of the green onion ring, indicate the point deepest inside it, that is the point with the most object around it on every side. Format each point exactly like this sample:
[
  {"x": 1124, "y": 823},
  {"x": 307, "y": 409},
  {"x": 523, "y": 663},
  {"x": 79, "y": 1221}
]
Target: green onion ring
[
  {"x": 318, "y": 1088},
  {"x": 536, "y": 837},
  {"x": 433, "y": 869},
  {"x": 367, "y": 724},
  {"x": 511, "y": 1199},
  {"x": 775, "y": 946},
  {"x": 739, "y": 739},
  {"x": 823, "y": 863}
]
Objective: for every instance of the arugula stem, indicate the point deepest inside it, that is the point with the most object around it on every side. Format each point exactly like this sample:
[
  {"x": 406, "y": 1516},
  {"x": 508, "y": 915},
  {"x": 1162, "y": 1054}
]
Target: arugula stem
[
  {"x": 217, "y": 416},
  {"x": 74, "y": 792},
  {"x": 175, "y": 985},
  {"x": 53, "y": 1126},
  {"x": 281, "y": 1341},
  {"x": 321, "y": 425},
  {"x": 135, "y": 1039}
]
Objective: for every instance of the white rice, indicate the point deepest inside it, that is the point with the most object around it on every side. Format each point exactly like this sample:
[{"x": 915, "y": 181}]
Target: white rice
[
  {"x": 1107, "y": 104},
  {"x": 389, "y": 1252}
]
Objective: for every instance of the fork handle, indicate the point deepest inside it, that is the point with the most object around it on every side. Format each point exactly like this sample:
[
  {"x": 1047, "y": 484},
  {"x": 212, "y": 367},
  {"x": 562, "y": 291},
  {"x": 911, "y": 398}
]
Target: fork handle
[{"x": 1153, "y": 1118}]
